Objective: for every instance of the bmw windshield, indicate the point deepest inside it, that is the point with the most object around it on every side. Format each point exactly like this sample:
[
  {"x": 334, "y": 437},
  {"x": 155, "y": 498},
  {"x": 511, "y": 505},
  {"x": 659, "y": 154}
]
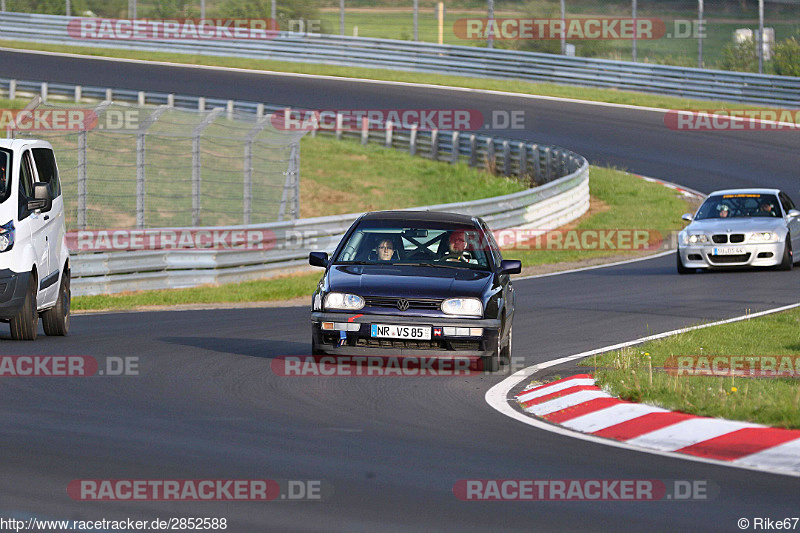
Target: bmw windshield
[{"x": 739, "y": 206}]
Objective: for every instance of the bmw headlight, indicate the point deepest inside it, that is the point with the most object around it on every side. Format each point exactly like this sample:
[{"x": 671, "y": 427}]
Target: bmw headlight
[
  {"x": 462, "y": 307},
  {"x": 347, "y": 302},
  {"x": 698, "y": 238},
  {"x": 763, "y": 236},
  {"x": 7, "y": 237}
]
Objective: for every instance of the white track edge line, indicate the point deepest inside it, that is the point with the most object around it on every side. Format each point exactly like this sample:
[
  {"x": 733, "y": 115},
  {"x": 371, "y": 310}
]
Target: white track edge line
[{"x": 497, "y": 397}]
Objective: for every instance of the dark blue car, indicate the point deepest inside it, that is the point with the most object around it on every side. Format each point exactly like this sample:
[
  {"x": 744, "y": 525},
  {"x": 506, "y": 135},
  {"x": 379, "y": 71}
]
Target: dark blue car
[{"x": 415, "y": 283}]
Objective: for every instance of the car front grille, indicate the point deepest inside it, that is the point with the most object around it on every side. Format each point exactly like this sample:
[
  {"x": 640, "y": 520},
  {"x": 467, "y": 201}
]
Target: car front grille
[
  {"x": 722, "y": 259},
  {"x": 722, "y": 238},
  {"x": 400, "y": 343},
  {"x": 413, "y": 303},
  {"x": 466, "y": 345}
]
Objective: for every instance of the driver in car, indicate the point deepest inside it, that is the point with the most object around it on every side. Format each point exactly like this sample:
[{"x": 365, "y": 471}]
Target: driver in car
[
  {"x": 766, "y": 209},
  {"x": 457, "y": 244}
]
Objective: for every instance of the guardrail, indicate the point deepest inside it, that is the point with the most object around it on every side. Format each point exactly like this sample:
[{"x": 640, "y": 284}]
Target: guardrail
[
  {"x": 445, "y": 59},
  {"x": 563, "y": 197}
]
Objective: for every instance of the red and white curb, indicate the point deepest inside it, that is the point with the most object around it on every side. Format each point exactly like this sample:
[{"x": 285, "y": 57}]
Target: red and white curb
[{"x": 578, "y": 404}]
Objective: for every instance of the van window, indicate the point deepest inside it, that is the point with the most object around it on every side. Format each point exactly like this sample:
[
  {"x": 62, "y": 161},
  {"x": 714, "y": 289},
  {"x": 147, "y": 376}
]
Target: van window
[
  {"x": 5, "y": 175},
  {"x": 25, "y": 184},
  {"x": 48, "y": 172}
]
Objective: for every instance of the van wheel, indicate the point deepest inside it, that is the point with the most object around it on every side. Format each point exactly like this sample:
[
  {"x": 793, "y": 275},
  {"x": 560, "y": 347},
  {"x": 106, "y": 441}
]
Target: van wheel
[
  {"x": 26, "y": 323},
  {"x": 56, "y": 320}
]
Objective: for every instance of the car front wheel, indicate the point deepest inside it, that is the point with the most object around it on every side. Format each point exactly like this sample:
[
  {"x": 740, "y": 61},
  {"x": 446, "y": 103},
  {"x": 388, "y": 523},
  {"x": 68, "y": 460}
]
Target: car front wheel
[
  {"x": 788, "y": 258},
  {"x": 491, "y": 363},
  {"x": 682, "y": 269},
  {"x": 26, "y": 323}
]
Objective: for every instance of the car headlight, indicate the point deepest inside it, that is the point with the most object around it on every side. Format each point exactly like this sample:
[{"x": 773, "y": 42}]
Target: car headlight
[
  {"x": 697, "y": 238},
  {"x": 348, "y": 302},
  {"x": 763, "y": 236},
  {"x": 462, "y": 307},
  {"x": 7, "y": 237}
]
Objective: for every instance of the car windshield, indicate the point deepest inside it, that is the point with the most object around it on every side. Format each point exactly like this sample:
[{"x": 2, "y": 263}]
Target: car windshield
[
  {"x": 739, "y": 206},
  {"x": 423, "y": 243},
  {"x": 5, "y": 173}
]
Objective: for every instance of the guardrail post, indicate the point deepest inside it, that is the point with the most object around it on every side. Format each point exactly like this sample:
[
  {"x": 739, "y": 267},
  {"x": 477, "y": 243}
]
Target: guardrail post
[
  {"x": 259, "y": 110},
  {"x": 141, "y": 98},
  {"x": 12, "y": 89},
  {"x": 537, "y": 163},
  {"x": 454, "y": 152},
  {"x": 548, "y": 164},
  {"x": 364, "y": 130},
  {"x": 491, "y": 164},
  {"x": 44, "y": 91},
  {"x": 171, "y": 100},
  {"x": 473, "y": 150},
  {"x": 506, "y": 158},
  {"x": 109, "y": 95},
  {"x": 201, "y": 103},
  {"x": 196, "y": 168},
  {"x": 78, "y": 91},
  {"x": 339, "y": 120},
  {"x": 229, "y": 109},
  {"x": 523, "y": 161},
  {"x": 434, "y": 144},
  {"x": 388, "y": 142},
  {"x": 247, "y": 195},
  {"x": 412, "y": 140}
]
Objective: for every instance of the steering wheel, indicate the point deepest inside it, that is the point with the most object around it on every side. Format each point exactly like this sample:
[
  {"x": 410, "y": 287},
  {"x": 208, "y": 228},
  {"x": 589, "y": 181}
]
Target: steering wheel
[{"x": 421, "y": 253}]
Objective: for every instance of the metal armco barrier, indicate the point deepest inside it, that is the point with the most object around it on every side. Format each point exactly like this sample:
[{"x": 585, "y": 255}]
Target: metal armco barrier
[{"x": 445, "y": 59}]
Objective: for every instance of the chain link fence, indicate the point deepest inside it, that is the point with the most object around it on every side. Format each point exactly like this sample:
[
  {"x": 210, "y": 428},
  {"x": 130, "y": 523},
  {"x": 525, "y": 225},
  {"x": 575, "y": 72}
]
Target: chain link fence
[{"x": 129, "y": 166}]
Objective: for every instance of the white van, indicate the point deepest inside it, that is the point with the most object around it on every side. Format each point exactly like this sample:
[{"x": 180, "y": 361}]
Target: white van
[{"x": 34, "y": 259}]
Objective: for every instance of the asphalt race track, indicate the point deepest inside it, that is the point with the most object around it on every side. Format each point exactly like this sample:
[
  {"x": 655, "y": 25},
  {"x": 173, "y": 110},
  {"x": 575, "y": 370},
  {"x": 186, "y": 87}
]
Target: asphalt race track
[{"x": 207, "y": 404}]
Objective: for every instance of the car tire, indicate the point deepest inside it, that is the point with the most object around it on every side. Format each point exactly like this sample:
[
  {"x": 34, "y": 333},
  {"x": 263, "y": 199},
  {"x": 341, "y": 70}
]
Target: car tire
[
  {"x": 506, "y": 359},
  {"x": 56, "y": 320},
  {"x": 682, "y": 269},
  {"x": 491, "y": 363},
  {"x": 788, "y": 257},
  {"x": 24, "y": 325}
]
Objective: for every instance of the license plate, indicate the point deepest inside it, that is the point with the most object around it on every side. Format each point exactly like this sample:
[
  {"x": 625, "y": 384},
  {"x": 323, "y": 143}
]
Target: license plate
[
  {"x": 391, "y": 331},
  {"x": 728, "y": 250}
]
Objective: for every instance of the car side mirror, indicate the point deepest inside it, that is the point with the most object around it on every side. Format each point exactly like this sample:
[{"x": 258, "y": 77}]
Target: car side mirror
[
  {"x": 687, "y": 217},
  {"x": 42, "y": 199},
  {"x": 510, "y": 266},
  {"x": 793, "y": 213},
  {"x": 318, "y": 259}
]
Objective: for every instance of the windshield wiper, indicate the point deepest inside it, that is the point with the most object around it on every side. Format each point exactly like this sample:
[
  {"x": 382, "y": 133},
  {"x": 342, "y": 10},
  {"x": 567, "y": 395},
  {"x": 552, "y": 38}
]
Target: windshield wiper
[{"x": 437, "y": 265}]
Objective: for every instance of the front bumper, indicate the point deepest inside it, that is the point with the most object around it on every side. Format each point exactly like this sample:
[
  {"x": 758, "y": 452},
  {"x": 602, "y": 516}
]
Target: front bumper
[
  {"x": 361, "y": 342},
  {"x": 755, "y": 255},
  {"x": 13, "y": 286}
]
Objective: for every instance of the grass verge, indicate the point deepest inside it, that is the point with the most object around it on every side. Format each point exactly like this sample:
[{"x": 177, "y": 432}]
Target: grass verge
[
  {"x": 636, "y": 373},
  {"x": 515, "y": 86}
]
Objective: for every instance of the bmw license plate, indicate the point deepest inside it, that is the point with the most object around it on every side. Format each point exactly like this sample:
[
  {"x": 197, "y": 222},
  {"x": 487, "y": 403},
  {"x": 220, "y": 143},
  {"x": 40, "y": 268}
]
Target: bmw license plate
[
  {"x": 391, "y": 331},
  {"x": 728, "y": 250}
]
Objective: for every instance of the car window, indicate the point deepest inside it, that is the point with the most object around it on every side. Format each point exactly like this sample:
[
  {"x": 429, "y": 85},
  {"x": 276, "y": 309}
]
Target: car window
[
  {"x": 47, "y": 170},
  {"x": 739, "y": 205},
  {"x": 5, "y": 175},
  {"x": 25, "y": 184},
  {"x": 417, "y": 242},
  {"x": 786, "y": 202}
]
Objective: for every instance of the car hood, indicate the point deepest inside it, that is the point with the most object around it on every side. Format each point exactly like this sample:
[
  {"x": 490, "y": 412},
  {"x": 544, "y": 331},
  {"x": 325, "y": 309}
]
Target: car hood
[
  {"x": 407, "y": 281},
  {"x": 732, "y": 225}
]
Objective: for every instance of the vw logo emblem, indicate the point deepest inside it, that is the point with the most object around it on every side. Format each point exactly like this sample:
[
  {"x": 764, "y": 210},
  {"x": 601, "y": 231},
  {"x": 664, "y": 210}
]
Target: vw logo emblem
[{"x": 402, "y": 304}]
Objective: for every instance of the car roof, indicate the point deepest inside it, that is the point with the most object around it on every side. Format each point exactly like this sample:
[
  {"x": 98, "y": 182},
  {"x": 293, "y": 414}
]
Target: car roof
[
  {"x": 430, "y": 216},
  {"x": 746, "y": 191},
  {"x": 17, "y": 144}
]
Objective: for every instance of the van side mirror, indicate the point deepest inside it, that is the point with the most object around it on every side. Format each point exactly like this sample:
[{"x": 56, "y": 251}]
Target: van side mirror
[{"x": 42, "y": 199}]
